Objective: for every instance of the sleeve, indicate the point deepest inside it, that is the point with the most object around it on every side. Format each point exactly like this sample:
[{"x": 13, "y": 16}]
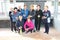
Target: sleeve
[
  {"x": 34, "y": 13},
  {"x": 27, "y": 13},
  {"x": 31, "y": 26},
  {"x": 49, "y": 14},
  {"x": 9, "y": 13},
  {"x": 22, "y": 11},
  {"x": 49, "y": 18},
  {"x": 41, "y": 13}
]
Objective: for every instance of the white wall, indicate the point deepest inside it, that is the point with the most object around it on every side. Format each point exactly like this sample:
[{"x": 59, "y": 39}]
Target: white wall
[{"x": 5, "y": 7}]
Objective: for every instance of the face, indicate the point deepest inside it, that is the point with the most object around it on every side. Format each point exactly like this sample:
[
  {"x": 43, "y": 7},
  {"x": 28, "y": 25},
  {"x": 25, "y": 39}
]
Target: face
[
  {"x": 31, "y": 7},
  {"x": 45, "y": 8},
  {"x": 15, "y": 10},
  {"x": 25, "y": 7},
  {"x": 38, "y": 7}
]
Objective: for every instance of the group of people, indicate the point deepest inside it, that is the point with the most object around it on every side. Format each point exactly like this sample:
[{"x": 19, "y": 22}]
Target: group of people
[{"x": 29, "y": 20}]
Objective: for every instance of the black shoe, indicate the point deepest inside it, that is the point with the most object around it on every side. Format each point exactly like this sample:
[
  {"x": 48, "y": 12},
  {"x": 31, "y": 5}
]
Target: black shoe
[
  {"x": 38, "y": 30},
  {"x": 45, "y": 32},
  {"x": 34, "y": 31}
]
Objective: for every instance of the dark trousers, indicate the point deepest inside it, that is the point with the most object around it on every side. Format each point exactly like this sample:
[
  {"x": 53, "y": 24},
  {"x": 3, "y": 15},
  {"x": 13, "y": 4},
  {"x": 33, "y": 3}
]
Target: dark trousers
[
  {"x": 46, "y": 27},
  {"x": 11, "y": 23},
  {"x": 13, "y": 27},
  {"x": 24, "y": 20},
  {"x": 30, "y": 30},
  {"x": 23, "y": 25},
  {"x": 37, "y": 25},
  {"x": 18, "y": 30}
]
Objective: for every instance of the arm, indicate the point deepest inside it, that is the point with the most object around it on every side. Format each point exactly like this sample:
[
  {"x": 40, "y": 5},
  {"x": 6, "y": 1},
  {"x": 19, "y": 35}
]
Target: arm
[
  {"x": 49, "y": 14},
  {"x": 31, "y": 25},
  {"x": 34, "y": 13},
  {"x": 43, "y": 16},
  {"x": 9, "y": 13}
]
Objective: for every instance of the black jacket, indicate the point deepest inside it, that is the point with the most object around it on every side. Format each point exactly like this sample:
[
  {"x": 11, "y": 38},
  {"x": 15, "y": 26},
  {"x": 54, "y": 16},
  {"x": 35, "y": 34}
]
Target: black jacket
[
  {"x": 40, "y": 13},
  {"x": 46, "y": 14},
  {"x": 32, "y": 13},
  {"x": 10, "y": 15}
]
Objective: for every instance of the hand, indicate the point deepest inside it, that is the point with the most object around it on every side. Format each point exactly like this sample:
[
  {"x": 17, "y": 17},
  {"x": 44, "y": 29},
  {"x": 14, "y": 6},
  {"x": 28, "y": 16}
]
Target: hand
[
  {"x": 26, "y": 29},
  {"x": 30, "y": 16},
  {"x": 20, "y": 27},
  {"x": 44, "y": 17},
  {"x": 24, "y": 15}
]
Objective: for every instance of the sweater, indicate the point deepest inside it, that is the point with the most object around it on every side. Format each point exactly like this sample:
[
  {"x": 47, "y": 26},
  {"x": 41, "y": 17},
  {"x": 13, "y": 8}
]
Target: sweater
[{"x": 29, "y": 24}]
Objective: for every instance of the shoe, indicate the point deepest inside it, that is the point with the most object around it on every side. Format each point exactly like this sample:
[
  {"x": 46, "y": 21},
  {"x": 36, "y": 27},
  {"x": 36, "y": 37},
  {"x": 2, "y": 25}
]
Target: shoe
[
  {"x": 15, "y": 31},
  {"x": 45, "y": 32},
  {"x": 37, "y": 30},
  {"x": 34, "y": 31}
]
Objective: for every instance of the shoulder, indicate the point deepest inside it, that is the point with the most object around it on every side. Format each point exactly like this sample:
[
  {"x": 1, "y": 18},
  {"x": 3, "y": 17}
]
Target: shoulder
[{"x": 48, "y": 10}]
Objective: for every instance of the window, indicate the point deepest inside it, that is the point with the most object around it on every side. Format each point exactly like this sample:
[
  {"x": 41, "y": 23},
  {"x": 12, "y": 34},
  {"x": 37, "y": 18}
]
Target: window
[
  {"x": 53, "y": 3},
  {"x": 11, "y": 1},
  {"x": 59, "y": 3}
]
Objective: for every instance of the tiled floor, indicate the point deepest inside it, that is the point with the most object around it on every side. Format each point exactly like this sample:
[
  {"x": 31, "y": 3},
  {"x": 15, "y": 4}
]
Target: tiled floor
[{"x": 6, "y": 34}]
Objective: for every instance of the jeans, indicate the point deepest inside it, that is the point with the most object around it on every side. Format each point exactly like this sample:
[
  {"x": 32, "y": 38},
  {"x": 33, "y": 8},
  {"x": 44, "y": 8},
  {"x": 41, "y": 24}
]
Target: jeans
[{"x": 33, "y": 20}]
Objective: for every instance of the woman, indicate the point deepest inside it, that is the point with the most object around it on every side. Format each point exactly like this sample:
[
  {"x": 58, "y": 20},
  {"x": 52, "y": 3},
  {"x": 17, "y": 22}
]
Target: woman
[
  {"x": 19, "y": 24},
  {"x": 25, "y": 13},
  {"x": 14, "y": 19},
  {"x": 32, "y": 14},
  {"x": 38, "y": 18},
  {"x": 28, "y": 26},
  {"x": 10, "y": 15},
  {"x": 46, "y": 19}
]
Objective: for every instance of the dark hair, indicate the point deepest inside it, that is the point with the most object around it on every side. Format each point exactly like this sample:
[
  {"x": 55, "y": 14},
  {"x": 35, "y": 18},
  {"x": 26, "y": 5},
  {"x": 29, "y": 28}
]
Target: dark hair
[
  {"x": 15, "y": 8},
  {"x": 38, "y": 5}
]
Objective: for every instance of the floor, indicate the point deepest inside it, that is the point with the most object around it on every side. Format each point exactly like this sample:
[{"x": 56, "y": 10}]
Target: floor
[{"x": 6, "y": 34}]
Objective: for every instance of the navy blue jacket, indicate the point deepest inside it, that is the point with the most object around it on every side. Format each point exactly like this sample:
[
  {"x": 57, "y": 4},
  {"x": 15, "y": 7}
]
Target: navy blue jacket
[
  {"x": 10, "y": 15},
  {"x": 15, "y": 15},
  {"x": 46, "y": 14},
  {"x": 19, "y": 23}
]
